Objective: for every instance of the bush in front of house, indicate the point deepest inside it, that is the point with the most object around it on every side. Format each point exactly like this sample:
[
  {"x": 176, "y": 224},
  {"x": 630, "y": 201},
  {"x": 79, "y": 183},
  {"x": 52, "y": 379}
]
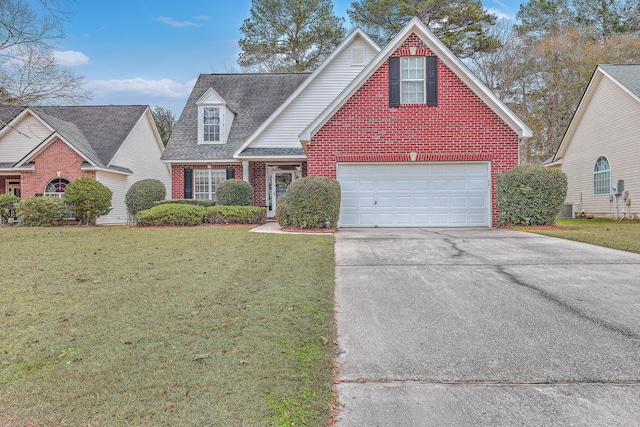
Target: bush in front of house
[
  {"x": 313, "y": 202},
  {"x": 234, "y": 192},
  {"x": 143, "y": 194},
  {"x": 39, "y": 211},
  {"x": 530, "y": 191},
  {"x": 171, "y": 214},
  {"x": 281, "y": 212},
  {"x": 7, "y": 203},
  {"x": 236, "y": 215},
  {"x": 88, "y": 198},
  {"x": 194, "y": 202}
]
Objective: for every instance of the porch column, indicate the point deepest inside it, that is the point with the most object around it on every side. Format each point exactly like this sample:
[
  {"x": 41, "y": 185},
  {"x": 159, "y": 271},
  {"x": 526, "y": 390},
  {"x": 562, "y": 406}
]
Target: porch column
[{"x": 245, "y": 170}]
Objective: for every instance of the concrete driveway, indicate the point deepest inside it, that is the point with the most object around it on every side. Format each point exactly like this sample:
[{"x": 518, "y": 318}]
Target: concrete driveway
[{"x": 485, "y": 327}]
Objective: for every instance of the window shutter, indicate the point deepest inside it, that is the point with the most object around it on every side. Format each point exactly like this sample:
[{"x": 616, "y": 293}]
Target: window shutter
[
  {"x": 394, "y": 81},
  {"x": 231, "y": 173},
  {"x": 188, "y": 183},
  {"x": 432, "y": 80}
]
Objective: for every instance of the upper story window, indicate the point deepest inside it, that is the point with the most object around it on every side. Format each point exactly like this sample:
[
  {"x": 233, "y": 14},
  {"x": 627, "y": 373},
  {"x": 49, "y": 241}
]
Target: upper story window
[
  {"x": 601, "y": 176},
  {"x": 211, "y": 124},
  {"x": 412, "y": 80}
]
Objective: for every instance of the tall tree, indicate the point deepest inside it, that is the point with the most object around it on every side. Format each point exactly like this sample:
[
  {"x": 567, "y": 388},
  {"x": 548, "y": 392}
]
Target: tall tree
[
  {"x": 29, "y": 72},
  {"x": 460, "y": 24},
  {"x": 289, "y": 35},
  {"x": 165, "y": 122}
]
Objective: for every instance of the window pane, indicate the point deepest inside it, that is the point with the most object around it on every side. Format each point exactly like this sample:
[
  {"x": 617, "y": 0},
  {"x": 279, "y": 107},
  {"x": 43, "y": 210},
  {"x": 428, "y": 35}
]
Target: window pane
[
  {"x": 601, "y": 176},
  {"x": 205, "y": 182},
  {"x": 211, "y": 124},
  {"x": 412, "y": 92},
  {"x": 412, "y": 79}
]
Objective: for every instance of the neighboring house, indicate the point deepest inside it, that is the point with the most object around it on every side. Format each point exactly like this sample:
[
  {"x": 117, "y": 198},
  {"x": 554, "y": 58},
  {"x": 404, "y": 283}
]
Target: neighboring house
[
  {"x": 600, "y": 146},
  {"x": 411, "y": 135},
  {"x": 43, "y": 149}
]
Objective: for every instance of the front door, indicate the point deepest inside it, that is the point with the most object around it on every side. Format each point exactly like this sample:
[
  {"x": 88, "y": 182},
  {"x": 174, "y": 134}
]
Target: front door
[{"x": 278, "y": 181}]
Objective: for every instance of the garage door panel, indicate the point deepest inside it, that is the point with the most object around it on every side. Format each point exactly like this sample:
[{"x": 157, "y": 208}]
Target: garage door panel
[{"x": 416, "y": 194}]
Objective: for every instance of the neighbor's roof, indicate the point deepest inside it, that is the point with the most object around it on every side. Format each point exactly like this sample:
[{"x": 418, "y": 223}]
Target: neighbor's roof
[
  {"x": 96, "y": 131},
  {"x": 252, "y": 97},
  {"x": 628, "y": 75}
]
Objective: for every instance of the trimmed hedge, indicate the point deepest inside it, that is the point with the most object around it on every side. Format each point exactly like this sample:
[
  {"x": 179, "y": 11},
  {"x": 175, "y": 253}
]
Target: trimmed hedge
[
  {"x": 313, "y": 202},
  {"x": 7, "y": 202},
  {"x": 234, "y": 192},
  {"x": 39, "y": 211},
  {"x": 193, "y": 202},
  {"x": 171, "y": 214},
  {"x": 236, "y": 215},
  {"x": 88, "y": 198},
  {"x": 281, "y": 212},
  {"x": 143, "y": 194},
  {"x": 530, "y": 191}
]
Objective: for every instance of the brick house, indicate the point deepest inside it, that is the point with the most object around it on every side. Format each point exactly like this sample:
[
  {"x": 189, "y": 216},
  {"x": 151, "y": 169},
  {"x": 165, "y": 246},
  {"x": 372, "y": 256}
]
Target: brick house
[
  {"x": 43, "y": 149},
  {"x": 411, "y": 135}
]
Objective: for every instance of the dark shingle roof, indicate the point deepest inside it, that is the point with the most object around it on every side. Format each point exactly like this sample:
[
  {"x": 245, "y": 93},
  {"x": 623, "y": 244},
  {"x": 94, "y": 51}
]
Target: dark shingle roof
[
  {"x": 627, "y": 74},
  {"x": 97, "y": 131},
  {"x": 252, "y": 97},
  {"x": 257, "y": 152}
]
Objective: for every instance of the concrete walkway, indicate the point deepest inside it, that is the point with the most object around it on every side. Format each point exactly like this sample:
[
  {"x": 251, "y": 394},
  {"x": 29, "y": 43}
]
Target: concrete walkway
[{"x": 485, "y": 327}]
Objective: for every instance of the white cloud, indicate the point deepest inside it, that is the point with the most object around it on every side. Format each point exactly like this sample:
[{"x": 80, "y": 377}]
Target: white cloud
[
  {"x": 71, "y": 58},
  {"x": 499, "y": 14},
  {"x": 163, "y": 88},
  {"x": 176, "y": 24},
  {"x": 202, "y": 17}
]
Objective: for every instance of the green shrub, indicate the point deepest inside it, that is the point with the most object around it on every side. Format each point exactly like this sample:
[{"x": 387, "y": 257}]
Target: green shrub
[
  {"x": 236, "y": 215},
  {"x": 171, "y": 214},
  {"x": 7, "y": 204},
  {"x": 234, "y": 192},
  {"x": 530, "y": 194},
  {"x": 194, "y": 202},
  {"x": 313, "y": 202},
  {"x": 281, "y": 212},
  {"x": 143, "y": 194},
  {"x": 39, "y": 211},
  {"x": 88, "y": 198}
]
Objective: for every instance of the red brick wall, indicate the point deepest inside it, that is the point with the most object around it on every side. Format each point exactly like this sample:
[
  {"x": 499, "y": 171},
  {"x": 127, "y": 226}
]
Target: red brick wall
[
  {"x": 177, "y": 176},
  {"x": 57, "y": 157},
  {"x": 258, "y": 180},
  {"x": 460, "y": 128}
]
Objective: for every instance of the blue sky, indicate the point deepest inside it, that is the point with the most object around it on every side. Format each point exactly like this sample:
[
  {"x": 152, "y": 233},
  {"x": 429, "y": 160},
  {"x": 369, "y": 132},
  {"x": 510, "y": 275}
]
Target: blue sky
[{"x": 151, "y": 52}]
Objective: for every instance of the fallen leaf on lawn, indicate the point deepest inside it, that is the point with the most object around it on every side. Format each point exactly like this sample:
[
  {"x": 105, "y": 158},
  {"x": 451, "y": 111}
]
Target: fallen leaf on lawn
[
  {"x": 163, "y": 392},
  {"x": 127, "y": 342},
  {"x": 325, "y": 340},
  {"x": 281, "y": 375},
  {"x": 207, "y": 388},
  {"x": 287, "y": 414},
  {"x": 244, "y": 362},
  {"x": 168, "y": 405},
  {"x": 201, "y": 357}
]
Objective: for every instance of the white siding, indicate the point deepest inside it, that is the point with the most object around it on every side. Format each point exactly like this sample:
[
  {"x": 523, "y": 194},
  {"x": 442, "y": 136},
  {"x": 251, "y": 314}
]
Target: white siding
[
  {"x": 284, "y": 130},
  {"x": 141, "y": 154},
  {"x": 609, "y": 127},
  {"x": 16, "y": 144}
]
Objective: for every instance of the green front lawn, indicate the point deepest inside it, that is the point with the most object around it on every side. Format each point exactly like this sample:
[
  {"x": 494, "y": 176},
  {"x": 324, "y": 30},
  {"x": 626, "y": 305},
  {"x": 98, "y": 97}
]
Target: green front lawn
[
  {"x": 623, "y": 235},
  {"x": 165, "y": 326}
]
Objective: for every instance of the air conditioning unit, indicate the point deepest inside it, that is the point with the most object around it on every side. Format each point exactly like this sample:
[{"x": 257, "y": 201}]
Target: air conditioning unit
[{"x": 566, "y": 211}]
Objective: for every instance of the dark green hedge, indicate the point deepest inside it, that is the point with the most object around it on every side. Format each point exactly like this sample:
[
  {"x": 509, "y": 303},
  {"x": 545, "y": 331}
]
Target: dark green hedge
[
  {"x": 143, "y": 194},
  {"x": 171, "y": 214},
  {"x": 313, "y": 202},
  {"x": 39, "y": 211},
  {"x": 530, "y": 191},
  {"x": 234, "y": 192},
  {"x": 236, "y": 215},
  {"x": 281, "y": 212},
  {"x": 88, "y": 198},
  {"x": 193, "y": 202}
]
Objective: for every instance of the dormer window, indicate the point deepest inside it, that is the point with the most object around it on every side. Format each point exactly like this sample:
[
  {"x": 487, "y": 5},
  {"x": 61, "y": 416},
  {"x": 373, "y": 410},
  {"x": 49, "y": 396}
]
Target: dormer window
[{"x": 211, "y": 123}]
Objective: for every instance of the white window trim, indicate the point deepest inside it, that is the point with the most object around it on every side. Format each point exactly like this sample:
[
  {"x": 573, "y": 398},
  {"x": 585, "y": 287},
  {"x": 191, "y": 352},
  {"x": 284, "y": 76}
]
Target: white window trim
[
  {"x": 211, "y": 192},
  {"x": 423, "y": 80},
  {"x": 596, "y": 176},
  {"x": 221, "y": 108}
]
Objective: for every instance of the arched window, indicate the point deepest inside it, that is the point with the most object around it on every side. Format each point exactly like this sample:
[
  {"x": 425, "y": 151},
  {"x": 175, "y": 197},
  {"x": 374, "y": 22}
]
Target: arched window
[
  {"x": 601, "y": 176},
  {"x": 56, "y": 187}
]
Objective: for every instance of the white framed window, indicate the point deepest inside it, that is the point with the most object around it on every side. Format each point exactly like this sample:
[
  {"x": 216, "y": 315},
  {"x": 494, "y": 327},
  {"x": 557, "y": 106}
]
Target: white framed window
[
  {"x": 412, "y": 80},
  {"x": 211, "y": 124},
  {"x": 55, "y": 188},
  {"x": 601, "y": 176},
  {"x": 206, "y": 181}
]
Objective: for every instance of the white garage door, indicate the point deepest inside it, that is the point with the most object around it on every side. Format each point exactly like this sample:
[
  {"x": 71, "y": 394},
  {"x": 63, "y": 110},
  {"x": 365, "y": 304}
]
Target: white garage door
[{"x": 415, "y": 194}]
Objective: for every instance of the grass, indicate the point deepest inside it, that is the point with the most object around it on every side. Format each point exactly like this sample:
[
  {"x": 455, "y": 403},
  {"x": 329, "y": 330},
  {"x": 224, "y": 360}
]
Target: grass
[
  {"x": 165, "y": 326},
  {"x": 623, "y": 235}
]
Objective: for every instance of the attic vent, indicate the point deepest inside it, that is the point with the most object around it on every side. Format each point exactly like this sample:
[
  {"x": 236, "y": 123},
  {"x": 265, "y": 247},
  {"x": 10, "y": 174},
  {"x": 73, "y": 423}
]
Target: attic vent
[{"x": 357, "y": 55}]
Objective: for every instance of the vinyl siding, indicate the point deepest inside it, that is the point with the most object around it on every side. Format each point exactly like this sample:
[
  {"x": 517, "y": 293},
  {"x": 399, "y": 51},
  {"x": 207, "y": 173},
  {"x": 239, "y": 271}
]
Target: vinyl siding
[
  {"x": 284, "y": 130},
  {"x": 608, "y": 127},
  {"x": 141, "y": 154},
  {"x": 16, "y": 144}
]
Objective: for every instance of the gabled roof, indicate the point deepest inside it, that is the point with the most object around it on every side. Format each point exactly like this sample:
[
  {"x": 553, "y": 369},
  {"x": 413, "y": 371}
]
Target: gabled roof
[
  {"x": 415, "y": 26},
  {"x": 254, "y": 97},
  {"x": 626, "y": 76},
  {"x": 356, "y": 33},
  {"x": 95, "y": 132}
]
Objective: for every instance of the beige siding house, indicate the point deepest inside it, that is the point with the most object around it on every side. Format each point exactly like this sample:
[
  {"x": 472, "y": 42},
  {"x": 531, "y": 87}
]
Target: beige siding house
[{"x": 602, "y": 145}]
